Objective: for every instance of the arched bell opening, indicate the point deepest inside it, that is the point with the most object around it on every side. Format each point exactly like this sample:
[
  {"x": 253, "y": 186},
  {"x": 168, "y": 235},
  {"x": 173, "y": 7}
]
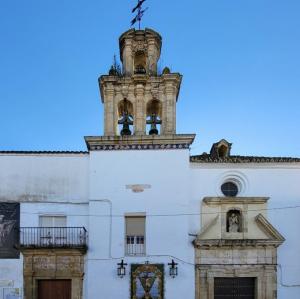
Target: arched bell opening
[
  {"x": 234, "y": 221},
  {"x": 140, "y": 62},
  {"x": 153, "y": 117},
  {"x": 125, "y": 117}
]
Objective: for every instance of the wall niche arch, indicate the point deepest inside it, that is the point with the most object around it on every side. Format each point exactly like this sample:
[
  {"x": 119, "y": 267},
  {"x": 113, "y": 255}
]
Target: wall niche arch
[
  {"x": 234, "y": 221},
  {"x": 140, "y": 62}
]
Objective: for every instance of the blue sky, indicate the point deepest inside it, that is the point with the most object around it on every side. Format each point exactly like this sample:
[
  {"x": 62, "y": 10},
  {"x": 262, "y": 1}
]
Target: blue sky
[{"x": 239, "y": 59}]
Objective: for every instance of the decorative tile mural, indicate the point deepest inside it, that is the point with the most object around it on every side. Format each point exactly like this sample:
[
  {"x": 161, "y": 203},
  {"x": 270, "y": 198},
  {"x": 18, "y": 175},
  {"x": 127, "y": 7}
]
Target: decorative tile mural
[
  {"x": 147, "y": 281},
  {"x": 9, "y": 229}
]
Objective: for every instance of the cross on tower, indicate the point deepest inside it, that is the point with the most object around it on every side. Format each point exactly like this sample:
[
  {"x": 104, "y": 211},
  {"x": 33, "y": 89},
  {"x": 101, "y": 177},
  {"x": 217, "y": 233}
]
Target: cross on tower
[{"x": 140, "y": 13}]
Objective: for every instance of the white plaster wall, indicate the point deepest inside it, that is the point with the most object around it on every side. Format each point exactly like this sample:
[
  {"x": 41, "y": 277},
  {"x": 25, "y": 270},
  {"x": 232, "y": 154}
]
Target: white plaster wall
[
  {"x": 11, "y": 274},
  {"x": 43, "y": 177},
  {"x": 281, "y": 183},
  {"x": 167, "y": 173}
]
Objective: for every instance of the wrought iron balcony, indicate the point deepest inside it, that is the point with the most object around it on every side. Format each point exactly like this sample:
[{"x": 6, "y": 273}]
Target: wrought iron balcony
[{"x": 53, "y": 237}]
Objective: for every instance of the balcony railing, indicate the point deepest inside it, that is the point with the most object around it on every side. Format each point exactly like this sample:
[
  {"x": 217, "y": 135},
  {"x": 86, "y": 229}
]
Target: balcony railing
[
  {"x": 135, "y": 245},
  {"x": 53, "y": 237}
]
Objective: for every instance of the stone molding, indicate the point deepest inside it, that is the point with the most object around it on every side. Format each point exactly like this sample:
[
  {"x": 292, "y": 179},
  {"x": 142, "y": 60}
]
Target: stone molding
[
  {"x": 242, "y": 159},
  {"x": 157, "y": 142},
  {"x": 235, "y": 243},
  {"x": 269, "y": 229},
  {"x": 138, "y": 188},
  {"x": 234, "y": 200}
]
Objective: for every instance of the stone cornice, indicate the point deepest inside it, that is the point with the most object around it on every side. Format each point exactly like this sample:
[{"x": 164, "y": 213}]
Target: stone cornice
[
  {"x": 143, "y": 142},
  {"x": 108, "y": 80},
  {"x": 217, "y": 243},
  {"x": 234, "y": 200},
  {"x": 207, "y": 159},
  {"x": 268, "y": 228}
]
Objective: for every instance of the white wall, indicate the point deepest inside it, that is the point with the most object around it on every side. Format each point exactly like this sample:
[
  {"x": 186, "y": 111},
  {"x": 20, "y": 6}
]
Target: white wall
[
  {"x": 167, "y": 174},
  {"x": 43, "y": 177}
]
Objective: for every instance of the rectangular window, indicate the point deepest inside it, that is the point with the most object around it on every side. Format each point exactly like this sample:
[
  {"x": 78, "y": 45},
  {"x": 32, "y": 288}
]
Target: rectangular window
[{"x": 135, "y": 235}]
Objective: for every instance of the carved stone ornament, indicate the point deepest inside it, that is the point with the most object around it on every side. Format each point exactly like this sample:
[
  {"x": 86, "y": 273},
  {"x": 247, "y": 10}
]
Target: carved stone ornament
[
  {"x": 137, "y": 188},
  {"x": 139, "y": 46}
]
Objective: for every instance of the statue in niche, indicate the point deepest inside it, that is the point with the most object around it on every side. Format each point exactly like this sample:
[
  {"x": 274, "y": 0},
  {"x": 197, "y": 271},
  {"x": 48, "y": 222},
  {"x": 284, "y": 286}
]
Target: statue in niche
[{"x": 233, "y": 221}]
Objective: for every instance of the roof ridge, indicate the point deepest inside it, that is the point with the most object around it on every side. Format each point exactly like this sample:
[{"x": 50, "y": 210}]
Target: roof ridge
[{"x": 206, "y": 158}]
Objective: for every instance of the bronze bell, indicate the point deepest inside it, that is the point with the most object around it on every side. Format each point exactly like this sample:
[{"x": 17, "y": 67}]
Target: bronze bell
[
  {"x": 125, "y": 131},
  {"x": 153, "y": 131}
]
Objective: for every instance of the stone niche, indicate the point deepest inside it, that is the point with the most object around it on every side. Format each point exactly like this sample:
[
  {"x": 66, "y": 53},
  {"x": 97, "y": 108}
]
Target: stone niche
[
  {"x": 42, "y": 264},
  {"x": 243, "y": 246}
]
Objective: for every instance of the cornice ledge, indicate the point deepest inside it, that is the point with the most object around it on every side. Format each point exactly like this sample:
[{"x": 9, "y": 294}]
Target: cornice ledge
[
  {"x": 234, "y": 200},
  {"x": 268, "y": 228},
  {"x": 135, "y": 142},
  {"x": 218, "y": 243}
]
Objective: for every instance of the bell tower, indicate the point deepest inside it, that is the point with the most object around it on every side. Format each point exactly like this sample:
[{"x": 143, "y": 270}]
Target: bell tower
[{"x": 139, "y": 99}]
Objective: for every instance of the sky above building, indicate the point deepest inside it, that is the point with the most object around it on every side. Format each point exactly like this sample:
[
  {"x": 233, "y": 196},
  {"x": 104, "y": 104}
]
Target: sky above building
[{"x": 239, "y": 60}]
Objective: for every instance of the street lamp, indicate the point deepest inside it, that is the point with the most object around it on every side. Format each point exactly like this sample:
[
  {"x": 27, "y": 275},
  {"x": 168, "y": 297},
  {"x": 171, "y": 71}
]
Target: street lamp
[
  {"x": 122, "y": 269},
  {"x": 173, "y": 269}
]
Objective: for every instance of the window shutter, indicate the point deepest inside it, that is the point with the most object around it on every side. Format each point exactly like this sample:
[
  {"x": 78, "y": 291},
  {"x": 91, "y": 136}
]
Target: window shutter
[
  {"x": 46, "y": 221},
  {"x": 60, "y": 221},
  {"x": 135, "y": 226},
  {"x": 53, "y": 221}
]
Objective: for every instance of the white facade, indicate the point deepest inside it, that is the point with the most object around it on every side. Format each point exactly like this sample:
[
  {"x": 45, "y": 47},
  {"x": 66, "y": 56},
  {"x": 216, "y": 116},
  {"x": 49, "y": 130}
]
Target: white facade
[{"x": 89, "y": 188}]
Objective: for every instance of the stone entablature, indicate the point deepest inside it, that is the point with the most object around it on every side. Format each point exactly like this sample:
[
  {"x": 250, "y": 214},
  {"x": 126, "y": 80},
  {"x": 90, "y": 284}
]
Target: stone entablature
[{"x": 52, "y": 264}]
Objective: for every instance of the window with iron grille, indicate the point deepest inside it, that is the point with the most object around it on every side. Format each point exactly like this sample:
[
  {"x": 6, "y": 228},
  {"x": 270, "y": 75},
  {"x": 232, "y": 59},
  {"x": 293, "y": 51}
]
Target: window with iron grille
[{"x": 135, "y": 235}]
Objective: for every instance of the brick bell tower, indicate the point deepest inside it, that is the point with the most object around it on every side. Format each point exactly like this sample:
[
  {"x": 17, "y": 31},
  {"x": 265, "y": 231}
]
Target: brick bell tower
[{"x": 139, "y": 102}]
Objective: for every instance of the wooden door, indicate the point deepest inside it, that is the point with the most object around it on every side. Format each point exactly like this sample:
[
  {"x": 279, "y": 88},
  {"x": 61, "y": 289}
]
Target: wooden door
[
  {"x": 54, "y": 289},
  {"x": 234, "y": 288}
]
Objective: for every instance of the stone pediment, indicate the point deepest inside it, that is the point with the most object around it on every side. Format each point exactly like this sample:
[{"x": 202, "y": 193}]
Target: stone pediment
[{"x": 272, "y": 236}]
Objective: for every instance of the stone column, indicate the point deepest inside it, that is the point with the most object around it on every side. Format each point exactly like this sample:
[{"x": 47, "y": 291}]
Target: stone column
[
  {"x": 152, "y": 57},
  {"x": 170, "y": 110},
  {"x": 140, "y": 114},
  {"x": 127, "y": 58},
  {"x": 109, "y": 125}
]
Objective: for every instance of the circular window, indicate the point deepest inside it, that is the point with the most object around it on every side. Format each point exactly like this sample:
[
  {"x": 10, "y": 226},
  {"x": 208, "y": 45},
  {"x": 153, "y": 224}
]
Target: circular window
[{"x": 230, "y": 189}]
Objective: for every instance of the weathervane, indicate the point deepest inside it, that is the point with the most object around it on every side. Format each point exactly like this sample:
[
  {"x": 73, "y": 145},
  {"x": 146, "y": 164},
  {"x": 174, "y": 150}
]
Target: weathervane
[{"x": 140, "y": 13}]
